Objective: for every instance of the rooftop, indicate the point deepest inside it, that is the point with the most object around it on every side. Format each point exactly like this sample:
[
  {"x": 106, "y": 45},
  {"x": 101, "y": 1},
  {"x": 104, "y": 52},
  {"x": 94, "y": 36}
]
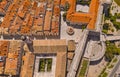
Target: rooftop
[
  {"x": 26, "y": 17},
  {"x": 10, "y": 53},
  {"x": 57, "y": 47},
  {"x": 89, "y": 18},
  {"x": 27, "y": 65},
  {"x": 4, "y": 6}
]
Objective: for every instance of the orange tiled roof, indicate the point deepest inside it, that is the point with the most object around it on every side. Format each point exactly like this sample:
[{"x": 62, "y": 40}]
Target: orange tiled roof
[
  {"x": 93, "y": 10},
  {"x": 38, "y": 22},
  {"x": 2, "y": 5},
  {"x": 15, "y": 26},
  {"x": 79, "y": 17},
  {"x": 56, "y": 2},
  {"x": 61, "y": 64},
  {"x": 11, "y": 66},
  {"x": 55, "y": 20},
  {"x": 47, "y": 20},
  {"x": 34, "y": 5},
  {"x": 27, "y": 24},
  {"x": 4, "y": 48},
  {"x": 25, "y": 18},
  {"x": 62, "y": 2},
  {"x": 42, "y": 8},
  {"x": 27, "y": 67},
  {"x": 56, "y": 11},
  {"x": 10, "y": 15},
  {"x": 90, "y": 17}
]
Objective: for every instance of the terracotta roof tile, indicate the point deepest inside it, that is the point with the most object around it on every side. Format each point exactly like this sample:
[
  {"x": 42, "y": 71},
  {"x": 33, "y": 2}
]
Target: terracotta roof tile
[
  {"x": 90, "y": 17},
  {"x": 27, "y": 67},
  {"x": 4, "y": 48},
  {"x": 23, "y": 17},
  {"x": 11, "y": 66},
  {"x": 47, "y": 20}
]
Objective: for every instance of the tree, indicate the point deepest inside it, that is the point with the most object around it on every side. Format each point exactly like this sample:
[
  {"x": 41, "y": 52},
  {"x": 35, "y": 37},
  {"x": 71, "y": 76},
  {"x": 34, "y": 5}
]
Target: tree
[
  {"x": 105, "y": 31},
  {"x": 117, "y": 25},
  {"x": 83, "y": 27},
  {"x": 106, "y": 26},
  {"x": 118, "y": 15},
  {"x": 67, "y": 6},
  {"x": 64, "y": 16},
  {"x": 111, "y": 50},
  {"x": 113, "y": 18}
]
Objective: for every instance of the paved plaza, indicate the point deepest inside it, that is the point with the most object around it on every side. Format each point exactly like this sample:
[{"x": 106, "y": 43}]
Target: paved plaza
[
  {"x": 64, "y": 35},
  {"x": 95, "y": 70}
]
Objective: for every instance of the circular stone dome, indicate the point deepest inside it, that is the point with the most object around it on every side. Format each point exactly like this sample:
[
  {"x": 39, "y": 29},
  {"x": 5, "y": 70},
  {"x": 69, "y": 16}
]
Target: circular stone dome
[{"x": 108, "y": 1}]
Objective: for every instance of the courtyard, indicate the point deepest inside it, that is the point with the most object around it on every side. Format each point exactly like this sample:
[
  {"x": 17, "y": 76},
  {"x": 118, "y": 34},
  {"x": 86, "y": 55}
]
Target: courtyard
[{"x": 45, "y": 66}]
